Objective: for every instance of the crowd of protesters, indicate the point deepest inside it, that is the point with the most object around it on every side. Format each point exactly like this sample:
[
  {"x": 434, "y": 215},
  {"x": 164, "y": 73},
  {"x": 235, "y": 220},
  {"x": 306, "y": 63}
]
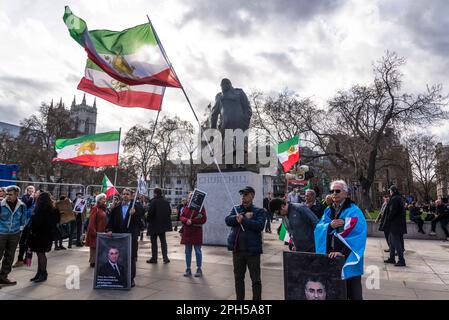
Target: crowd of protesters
[{"x": 33, "y": 223}]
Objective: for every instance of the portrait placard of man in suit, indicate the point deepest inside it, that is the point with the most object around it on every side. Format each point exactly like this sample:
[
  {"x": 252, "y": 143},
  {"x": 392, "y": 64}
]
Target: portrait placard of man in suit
[{"x": 113, "y": 270}]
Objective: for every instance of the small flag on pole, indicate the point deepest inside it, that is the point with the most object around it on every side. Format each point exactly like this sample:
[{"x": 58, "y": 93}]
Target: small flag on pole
[
  {"x": 288, "y": 152},
  {"x": 108, "y": 187}
]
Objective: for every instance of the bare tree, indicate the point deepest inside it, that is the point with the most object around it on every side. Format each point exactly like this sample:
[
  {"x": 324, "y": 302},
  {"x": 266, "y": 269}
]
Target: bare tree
[
  {"x": 421, "y": 149},
  {"x": 361, "y": 115},
  {"x": 139, "y": 146}
]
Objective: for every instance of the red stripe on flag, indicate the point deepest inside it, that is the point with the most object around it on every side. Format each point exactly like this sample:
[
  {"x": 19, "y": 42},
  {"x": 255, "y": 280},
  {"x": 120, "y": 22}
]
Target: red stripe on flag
[
  {"x": 352, "y": 223},
  {"x": 129, "y": 99},
  {"x": 165, "y": 78},
  {"x": 92, "y": 160},
  {"x": 291, "y": 161}
]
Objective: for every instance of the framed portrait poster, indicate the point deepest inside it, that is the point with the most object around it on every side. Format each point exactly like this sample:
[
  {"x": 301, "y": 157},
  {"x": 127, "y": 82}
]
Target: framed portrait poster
[
  {"x": 113, "y": 262},
  {"x": 311, "y": 276},
  {"x": 80, "y": 204},
  {"x": 197, "y": 200}
]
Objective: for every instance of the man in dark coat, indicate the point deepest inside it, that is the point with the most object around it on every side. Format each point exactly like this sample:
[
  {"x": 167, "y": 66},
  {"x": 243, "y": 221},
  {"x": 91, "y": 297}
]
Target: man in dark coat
[
  {"x": 396, "y": 225},
  {"x": 315, "y": 206},
  {"x": 159, "y": 222},
  {"x": 245, "y": 241},
  {"x": 124, "y": 218}
]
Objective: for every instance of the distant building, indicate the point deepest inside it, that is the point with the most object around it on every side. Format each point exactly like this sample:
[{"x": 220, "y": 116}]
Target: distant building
[
  {"x": 84, "y": 116},
  {"x": 11, "y": 129},
  {"x": 442, "y": 170}
]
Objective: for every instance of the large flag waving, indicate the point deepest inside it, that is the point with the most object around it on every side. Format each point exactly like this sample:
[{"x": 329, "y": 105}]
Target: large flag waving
[
  {"x": 95, "y": 150},
  {"x": 288, "y": 152},
  {"x": 108, "y": 187},
  {"x": 102, "y": 85},
  {"x": 132, "y": 56}
]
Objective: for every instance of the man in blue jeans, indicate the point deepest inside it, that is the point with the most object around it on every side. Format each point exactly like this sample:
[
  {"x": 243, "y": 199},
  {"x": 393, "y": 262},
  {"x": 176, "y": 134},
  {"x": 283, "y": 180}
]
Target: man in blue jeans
[{"x": 245, "y": 242}]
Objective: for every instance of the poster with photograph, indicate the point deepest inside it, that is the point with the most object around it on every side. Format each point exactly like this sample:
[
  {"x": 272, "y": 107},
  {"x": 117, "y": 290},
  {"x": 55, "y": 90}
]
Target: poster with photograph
[
  {"x": 113, "y": 262},
  {"x": 310, "y": 276},
  {"x": 80, "y": 204},
  {"x": 65, "y": 209},
  {"x": 197, "y": 200}
]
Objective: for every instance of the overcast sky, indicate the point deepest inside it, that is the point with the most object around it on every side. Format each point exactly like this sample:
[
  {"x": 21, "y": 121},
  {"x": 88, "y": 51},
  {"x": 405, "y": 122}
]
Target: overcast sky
[{"x": 311, "y": 47}]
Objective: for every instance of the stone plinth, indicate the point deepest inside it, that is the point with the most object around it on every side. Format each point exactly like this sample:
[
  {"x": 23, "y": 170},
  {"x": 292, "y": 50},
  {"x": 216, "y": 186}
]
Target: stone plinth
[{"x": 218, "y": 205}]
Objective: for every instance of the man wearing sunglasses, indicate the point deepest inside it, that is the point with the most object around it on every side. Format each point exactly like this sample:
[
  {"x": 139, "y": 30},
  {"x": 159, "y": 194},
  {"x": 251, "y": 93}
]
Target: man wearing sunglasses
[{"x": 341, "y": 233}]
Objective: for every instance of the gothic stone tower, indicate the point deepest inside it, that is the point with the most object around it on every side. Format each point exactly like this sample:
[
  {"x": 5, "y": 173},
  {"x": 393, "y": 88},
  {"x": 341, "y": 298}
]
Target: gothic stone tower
[{"x": 84, "y": 117}]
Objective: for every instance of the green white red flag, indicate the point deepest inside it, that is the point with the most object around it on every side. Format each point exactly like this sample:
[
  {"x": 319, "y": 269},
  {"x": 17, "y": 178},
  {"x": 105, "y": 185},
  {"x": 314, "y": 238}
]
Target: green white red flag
[
  {"x": 102, "y": 85},
  {"x": 95, "y": 150},
  {"x": 288, "y": 152},
  {"x": 108, "y": 187},
  {"x": 132, "y": 56}
]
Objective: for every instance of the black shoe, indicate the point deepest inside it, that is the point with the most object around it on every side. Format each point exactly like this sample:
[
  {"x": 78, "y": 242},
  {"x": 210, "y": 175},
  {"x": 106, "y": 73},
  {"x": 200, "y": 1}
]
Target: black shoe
[
  {"x": 421, "y": 231},
  {"x": 92, "y": 265},
  {"x": 42, "y": 277},
  {"x": 62, "y": 248},
  {"x": 69, "y": 246},
  {"x": 387, "y": 250},
  {"x": 152, "y": 260},
  {"x": 7, "y": 282},
  {"x": 166, "y": 261},
  {"x": 36, "y": 276},
  {"x": 57, "y": 248},
  {"x": 389, "y": 261},
  {"x": 400, "y": 264},
  {"x": 79, "y": 244}
]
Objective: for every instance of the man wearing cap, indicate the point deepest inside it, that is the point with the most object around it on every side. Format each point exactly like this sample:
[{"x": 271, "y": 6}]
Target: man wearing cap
[
  {"x": 245, "y": 242},
  {"x": 395, "y": 224}
]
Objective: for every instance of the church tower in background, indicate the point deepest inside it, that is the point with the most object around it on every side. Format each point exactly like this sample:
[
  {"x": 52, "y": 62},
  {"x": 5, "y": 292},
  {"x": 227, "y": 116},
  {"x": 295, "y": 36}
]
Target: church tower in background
[{"x": 84, "y": 117}]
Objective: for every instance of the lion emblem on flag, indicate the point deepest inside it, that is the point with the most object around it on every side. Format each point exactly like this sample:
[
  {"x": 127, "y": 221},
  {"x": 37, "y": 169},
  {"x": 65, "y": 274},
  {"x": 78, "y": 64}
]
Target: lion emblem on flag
[
  {"x": 291, "y": 150},
  {"x": 87, "y": 147},
  {"x": 120, "y": 64}
]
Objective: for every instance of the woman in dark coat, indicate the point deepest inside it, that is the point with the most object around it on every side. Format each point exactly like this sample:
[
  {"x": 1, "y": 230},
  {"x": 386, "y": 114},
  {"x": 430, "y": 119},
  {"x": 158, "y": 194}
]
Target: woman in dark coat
[
  {"x": 97, "y": 223},
  {"x": 192, "y": 236},
  {"x": 43, "y": 222}
]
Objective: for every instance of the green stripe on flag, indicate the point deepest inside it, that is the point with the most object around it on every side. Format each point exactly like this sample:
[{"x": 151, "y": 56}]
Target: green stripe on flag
[
  {"x": 105, "y": 136},
  {"x": 124, "y": 42},
  {"x": 75, "y": 25},
  {"x": 284, "y": 146}
]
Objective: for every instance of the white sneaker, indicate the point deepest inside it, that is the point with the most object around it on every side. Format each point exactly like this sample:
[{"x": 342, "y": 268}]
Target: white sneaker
[{"x": 432, "y": 233}]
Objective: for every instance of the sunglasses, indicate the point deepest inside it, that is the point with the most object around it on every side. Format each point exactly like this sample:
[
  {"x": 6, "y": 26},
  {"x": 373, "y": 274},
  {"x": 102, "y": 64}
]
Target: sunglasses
[{"x": 336, "y": 191}]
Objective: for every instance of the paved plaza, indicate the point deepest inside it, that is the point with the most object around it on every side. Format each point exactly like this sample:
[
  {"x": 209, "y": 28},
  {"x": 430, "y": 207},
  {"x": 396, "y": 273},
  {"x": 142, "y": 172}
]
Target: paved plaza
[{"x": 425, "y": 277}]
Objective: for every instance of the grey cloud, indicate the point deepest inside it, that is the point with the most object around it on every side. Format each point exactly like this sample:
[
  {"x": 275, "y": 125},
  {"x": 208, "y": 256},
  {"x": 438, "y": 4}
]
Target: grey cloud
[
  {"x": 281, "y": 60},
  {"x": 18, "y": 84},
  {"x": 224, "y": 15},
  {"x": 426, "y": 21},
  {"x": 236, "y": 71}
]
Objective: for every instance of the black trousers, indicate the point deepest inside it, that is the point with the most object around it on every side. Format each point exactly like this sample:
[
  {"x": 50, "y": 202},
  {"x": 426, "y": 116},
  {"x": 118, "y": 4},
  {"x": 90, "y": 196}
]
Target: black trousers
[
  {"x": 443, "y": 220},
  {"x": 419, "y": 222},
  {"x": 79, "y": 227},
  {"x": 354, "y": 288},
  {"x": 23, "y": 243},
  {"x": 163, "y": 245},
  {"x": 134, "y": 249},
  {"x": 268, "y": 223},
  {"x": 396, "y": 244},
  {"x": 241, "y": 261}
]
